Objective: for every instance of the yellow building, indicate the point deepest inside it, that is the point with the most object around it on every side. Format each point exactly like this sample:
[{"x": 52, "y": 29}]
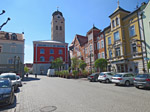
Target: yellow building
[{"x": 122, "y": 39}]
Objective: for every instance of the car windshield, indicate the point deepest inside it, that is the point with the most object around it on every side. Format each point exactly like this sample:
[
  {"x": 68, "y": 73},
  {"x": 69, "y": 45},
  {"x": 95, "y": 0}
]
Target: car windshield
[
  {"x": 142, "y": 76},
  {"x": 102, "y": 74},
  {"x": 93, "y": 74},
  {"x": 118, "y": 75},
  {"x": 11, "y": 77},
  {"x": 4, "y": 84}
]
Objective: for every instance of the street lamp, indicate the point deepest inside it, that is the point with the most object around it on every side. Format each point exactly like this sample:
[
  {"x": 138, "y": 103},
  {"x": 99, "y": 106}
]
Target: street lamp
[{"x": 3, "y": 11}]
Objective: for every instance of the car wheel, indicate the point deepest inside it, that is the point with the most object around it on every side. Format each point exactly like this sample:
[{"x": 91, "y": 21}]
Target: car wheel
[
  {"x": 116, "y": 84},
  {"x": 107, "y": 80},
  {"x": 100, "y": 81},
  {"x": 137, "y": 87},
  {"x": 127, "y": 83}
]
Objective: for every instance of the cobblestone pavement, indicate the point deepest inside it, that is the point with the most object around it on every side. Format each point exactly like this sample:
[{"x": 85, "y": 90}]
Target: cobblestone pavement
[{"x": 53, "y": 94}]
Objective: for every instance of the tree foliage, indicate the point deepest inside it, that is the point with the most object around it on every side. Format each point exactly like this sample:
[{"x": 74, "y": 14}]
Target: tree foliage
[
  {"x": 75, "y": 63},
  {"x": 57, "y": 64},
  {"x": 26, "y": 69},
  {"x": 82, "y": 65},
  {"x": 148, "y": 65},
  {"x": 101, "y": 63}
]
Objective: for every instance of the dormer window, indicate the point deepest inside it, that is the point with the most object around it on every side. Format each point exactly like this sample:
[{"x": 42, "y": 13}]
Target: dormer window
[
  {"x": 117, "y": 21},
  {"x": 113, "y": 23},
  {"x": 14, "y": 36}
]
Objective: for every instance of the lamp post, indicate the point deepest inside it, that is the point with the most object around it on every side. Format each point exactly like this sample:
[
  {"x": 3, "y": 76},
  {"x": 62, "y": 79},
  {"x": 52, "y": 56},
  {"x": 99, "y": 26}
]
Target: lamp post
[{"x": 3, "y": 11}]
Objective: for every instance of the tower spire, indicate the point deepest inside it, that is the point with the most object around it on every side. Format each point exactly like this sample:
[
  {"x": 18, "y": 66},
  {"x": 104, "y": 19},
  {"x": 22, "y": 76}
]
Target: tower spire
[
  {"x": 57, "y": 8},
  {"x": 118, "y": 3}
]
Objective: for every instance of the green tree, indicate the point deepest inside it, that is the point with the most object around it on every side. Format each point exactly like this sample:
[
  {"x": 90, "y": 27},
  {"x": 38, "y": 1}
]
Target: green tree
[
  {"x": 82, "y": 65},
  {"x": 101, "y": 63},
  {"x": 57, "y": 64},
  {"x": 75, "y": 63},
  {"x": 148, "y": 65},
  {"x": 26, "y": 69}
]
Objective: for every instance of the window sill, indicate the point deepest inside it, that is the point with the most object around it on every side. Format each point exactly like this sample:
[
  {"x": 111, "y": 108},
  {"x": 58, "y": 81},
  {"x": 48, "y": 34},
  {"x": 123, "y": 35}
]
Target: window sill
[{"x": 133, "y": 36}]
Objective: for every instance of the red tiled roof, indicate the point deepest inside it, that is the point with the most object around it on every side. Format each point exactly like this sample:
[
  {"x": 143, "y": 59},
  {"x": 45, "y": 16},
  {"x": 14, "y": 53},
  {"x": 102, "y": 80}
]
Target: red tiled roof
[{"x": 82, "y": 39}]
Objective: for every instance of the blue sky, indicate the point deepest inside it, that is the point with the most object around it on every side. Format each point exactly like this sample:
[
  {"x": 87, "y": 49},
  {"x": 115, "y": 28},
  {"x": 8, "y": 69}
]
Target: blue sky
[{"x": 33, "y": 17}]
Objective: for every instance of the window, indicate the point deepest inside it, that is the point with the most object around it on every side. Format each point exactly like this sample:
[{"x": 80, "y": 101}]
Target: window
[
  {"x": 102, "y": 35},
  {"x": 132, "y": 31},
  {"x": 109, "y": 40},
  {"x": 110, "y": 53},
  {"x": 99, "y": 55},
  {"x": 60, "y": 27},
  {"x": 51, "y": 58},
  {"x": 116, "y": 36},
  {"x": 0, "y": 49},
  {"x": 60, "y": 51},
  {"x": 10, "y": 61},
  {"x": 117, "y": 51},
  {"x": 98, "y": 45},
  {"x": 14, "y": 36},
  {"x": 42, "y": 59},
  {"x": 98, "y": 38},
  {"x": 102, "y": 43},
  {"x": 56, "y": 27},
  {"x": 61, "y": 58},
  {"x": 51, "y": 51},
  {"x": 41, "y": 51},
  {"x": 13, "y": 49},
  {"x": 58, "y": 16},
  {"x": 113, "y": 23},
  {"x": 103, "y": 55},
  {"x": 134, "y": 47},
  {"x": 117, "y": 21},
  {"x": 91, "y": 48},
  {"x": 85, "y": 51}
]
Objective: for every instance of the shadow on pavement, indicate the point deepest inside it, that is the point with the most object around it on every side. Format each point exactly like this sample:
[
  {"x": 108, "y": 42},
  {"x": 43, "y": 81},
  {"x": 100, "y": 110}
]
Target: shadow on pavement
[
  {"x": 30, "y": 79},
  {"x": 7, "y": 107}
]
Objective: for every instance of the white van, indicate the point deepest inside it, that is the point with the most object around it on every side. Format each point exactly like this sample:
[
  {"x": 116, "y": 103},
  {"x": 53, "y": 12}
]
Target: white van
[{"x": 50, "y": 72}]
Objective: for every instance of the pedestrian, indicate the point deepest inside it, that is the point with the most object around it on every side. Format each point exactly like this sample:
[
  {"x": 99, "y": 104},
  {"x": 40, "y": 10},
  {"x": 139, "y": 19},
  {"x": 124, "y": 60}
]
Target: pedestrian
[
  {"x": 136, "y": 70},
  {"x": 35, "y": 75},
  {"x": 27, "y": 75}
]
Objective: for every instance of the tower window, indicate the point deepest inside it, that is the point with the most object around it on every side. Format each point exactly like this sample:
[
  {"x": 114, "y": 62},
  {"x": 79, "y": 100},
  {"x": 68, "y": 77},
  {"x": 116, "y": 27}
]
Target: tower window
[
  {"x": 60, "y": 28},
  {"x": 117, "y": 21},
  {"x": 61, "y": 22},
  {"x": 56, "y": 27},
  {"x": 58, "y": 16}
]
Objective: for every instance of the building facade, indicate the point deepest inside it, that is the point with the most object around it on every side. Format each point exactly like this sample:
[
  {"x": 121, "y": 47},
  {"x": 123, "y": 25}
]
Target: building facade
[
  {"x": 46, "y": 51},
  {"x": 12, "y": 52},
  {"x": 88, "y": 48},
  {"x": 124, "y": 46}
]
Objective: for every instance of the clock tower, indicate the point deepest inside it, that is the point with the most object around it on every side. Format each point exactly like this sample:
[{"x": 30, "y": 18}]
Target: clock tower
[{"x": 58, "y": 27}]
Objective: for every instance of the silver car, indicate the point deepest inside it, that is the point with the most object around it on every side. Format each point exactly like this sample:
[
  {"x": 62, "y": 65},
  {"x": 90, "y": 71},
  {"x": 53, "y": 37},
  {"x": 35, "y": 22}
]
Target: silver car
[
  {"x": 12, "y": 77},
  {"x": 19, "y": 83},
  {"x": 105, "y": 76},
  {"x": 123, "y": 79}
]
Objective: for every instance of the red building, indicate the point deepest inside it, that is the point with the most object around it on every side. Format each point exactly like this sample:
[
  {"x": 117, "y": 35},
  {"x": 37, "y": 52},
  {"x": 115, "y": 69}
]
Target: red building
[{"x": 48, "y": 50}]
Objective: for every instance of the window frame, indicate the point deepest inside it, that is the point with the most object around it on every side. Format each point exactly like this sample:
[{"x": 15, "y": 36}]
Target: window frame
[
  {"x": 116, "y": 34},
  {"x": 118, "y": 51},
  {"x": 132, "y": 34},
  {"x": 51, "y": 52},
  {"x": 43, "y": 59},
  {"x": 109, "y": 40},
  {"x": 51, "y": 57},
  {"x": 102, "y": 43},
  {"x": 42, "y": 52}
]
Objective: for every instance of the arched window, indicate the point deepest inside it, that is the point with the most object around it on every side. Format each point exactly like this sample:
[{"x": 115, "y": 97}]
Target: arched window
[
  {"x": 60, "y": 27},
  {"x": 117, "y": 21},
  {"x": 42, "y": 59},
  {"x": 41, "y": 51},
  {"x": 14, "y": 36},
  {"x": 51, "y": 58},
  {"x": 61, "y": 58},
  {"x": 113, "y": 23},
  {"x": 51, "y": 51},
  {"x": 56, "y": 27},
  {"x": 60, "y": 51}
]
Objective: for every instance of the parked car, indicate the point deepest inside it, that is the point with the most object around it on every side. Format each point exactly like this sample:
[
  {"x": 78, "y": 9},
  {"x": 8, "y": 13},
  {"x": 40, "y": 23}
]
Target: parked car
[
  {"x": 51, "y": 72},
  {"x": 93, "y": 77},
  {"x": 105, "y": 76},
  {"x": 12, "y": 77},
  {"x": 142, "y": 80},
  {"x": 6, "y": 92},
  {"x": 19, "y": 83},
  {"x": 123, "y": 79}
]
